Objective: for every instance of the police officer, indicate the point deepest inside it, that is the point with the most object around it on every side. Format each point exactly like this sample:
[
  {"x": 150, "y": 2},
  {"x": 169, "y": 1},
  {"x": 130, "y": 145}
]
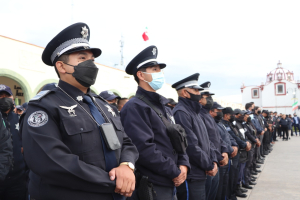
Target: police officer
[
  {"x": 111, "y": 98},
  {"x": 163, "y": 167},
  {"x": 66, "y": 129},
  {"x": 212, "y": 182},
  {"x": 201, "y": 155},
  {"x": 240, "y": 119},
  {"x": 217, "y": 114},
  {"x": 229, "y": 121},
  {"x": 14, "y": 186}
]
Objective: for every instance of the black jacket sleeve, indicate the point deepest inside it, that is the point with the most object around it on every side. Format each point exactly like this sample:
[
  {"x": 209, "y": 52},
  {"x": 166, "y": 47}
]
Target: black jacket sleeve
[{"x": 6, "y": 149}]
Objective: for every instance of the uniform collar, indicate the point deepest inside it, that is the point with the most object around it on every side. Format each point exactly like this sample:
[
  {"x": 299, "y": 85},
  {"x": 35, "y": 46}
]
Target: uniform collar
[
  {"x": 74, "y": 92},
  {"x": 152, "y": 96},
  {"x": 196, "y": 106}
]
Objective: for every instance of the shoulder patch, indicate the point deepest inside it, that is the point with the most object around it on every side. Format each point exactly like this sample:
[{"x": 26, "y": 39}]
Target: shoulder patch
[
  {"x": 40, "y": 95},
  {"x": 37, "y": 119}
]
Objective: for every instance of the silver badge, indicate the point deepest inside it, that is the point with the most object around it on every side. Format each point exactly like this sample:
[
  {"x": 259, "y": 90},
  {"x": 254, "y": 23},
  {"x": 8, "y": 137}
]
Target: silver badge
[
  {"x": 111, "y": 110},
  {"x": 2, "y": 87},
  {"x": 110, "y": 92},
  {"x": 79, "y": 98},
  {"x": 17, "y": 126},
  {"x": 37, "y": 119},
  {"x": 84, "y": 32},
  {"x": 70, "y": 109},
  {"x": 154, "y": 51}
]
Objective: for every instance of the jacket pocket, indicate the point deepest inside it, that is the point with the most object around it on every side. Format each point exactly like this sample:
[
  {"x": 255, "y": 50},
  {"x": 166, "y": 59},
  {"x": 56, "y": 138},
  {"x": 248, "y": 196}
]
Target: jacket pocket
[{"x": 80, "y": 134}]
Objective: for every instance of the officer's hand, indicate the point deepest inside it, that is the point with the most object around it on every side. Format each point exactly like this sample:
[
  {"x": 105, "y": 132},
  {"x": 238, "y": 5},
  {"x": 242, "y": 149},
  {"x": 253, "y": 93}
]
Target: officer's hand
[
  {"x": 235, "y": 150},
  {"x": 258, "y": 143},
  {"x": 225, "y": 160},
  {"x": 214, "y": 171},
  {"x": 248, "y": 147},
  {"x": 263, "y": 132},
  {"x": 266, "y": 129},
  {"x": 125, "y": 183},
  {"x": 182, "y": 176}
]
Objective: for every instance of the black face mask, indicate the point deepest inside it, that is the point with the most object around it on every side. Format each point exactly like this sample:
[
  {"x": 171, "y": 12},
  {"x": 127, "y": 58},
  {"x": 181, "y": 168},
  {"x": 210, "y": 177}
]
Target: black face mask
[
  {"x": 219, "y": 116},
  {"x": 194, "y": 97},
  {"x": 231, "y": 118},
  {"x": 258, "y": 112},
  {"x": 209, "y": 102},
  {"x": 85, "y": 73},
  {"x": 6, "y": 104},
  {"x": 249, "y": 119}
]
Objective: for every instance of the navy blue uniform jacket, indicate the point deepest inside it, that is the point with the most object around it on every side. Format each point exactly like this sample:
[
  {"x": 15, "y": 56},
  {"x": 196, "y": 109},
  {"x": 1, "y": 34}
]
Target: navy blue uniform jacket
[
  {"x": 235, "y": 134},
  {"x": 157, "y": 159},
  {"x": 213, "y": 133},
  {"x": 64, "y": 152},
  {"x": 200, "y": 151},
  {"x": 226, "y": 137},
  {"x": 18, "y": 168}
]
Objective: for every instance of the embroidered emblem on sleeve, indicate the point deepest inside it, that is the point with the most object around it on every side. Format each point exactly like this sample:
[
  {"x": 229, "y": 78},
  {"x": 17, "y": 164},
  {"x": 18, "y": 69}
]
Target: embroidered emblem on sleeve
[{"x": 37, "y": 119}]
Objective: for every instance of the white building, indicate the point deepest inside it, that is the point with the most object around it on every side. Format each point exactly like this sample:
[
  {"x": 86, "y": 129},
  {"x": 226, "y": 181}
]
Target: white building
[{"x": 278, "y": 93}]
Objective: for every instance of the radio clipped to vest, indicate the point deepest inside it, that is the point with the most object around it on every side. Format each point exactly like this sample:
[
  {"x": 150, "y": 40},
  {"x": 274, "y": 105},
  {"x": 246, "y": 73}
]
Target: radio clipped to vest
[{"x": 175, "y": 132}]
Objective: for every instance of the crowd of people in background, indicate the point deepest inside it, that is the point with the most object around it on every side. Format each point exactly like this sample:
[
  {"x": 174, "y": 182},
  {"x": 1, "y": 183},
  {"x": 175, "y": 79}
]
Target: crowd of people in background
[{"x": 69, "y": 143}]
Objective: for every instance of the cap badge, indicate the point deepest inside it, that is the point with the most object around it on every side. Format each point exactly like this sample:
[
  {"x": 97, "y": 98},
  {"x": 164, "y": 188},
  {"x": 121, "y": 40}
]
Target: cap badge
[
  {"x": 84, "y": 32},
  {"x": 70, "y": 109},
  {"x": 111, "y": 110},
  {"x": 110, "y": 92},
  {"x": 79, "y": 98},
  {"x": 208, "y": 85},
  {"x": 2, "y": 87},
  {"x": 154, "y": 51}
]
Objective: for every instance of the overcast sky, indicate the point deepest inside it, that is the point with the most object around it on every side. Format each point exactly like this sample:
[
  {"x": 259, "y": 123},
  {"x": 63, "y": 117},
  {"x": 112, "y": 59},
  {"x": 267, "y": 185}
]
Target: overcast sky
[{"x": 227, "y": 42}]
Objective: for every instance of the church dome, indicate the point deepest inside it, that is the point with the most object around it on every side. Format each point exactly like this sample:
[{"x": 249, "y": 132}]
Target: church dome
[{"x": 280, "y": 74}]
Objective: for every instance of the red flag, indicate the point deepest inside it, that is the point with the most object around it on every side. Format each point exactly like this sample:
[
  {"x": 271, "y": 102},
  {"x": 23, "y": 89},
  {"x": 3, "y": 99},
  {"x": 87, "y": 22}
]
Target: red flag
[{"x": 145, "y": 36}]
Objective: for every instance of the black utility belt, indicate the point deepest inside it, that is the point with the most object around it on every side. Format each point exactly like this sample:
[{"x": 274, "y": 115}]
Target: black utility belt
[{"x": 144, "y": 188}]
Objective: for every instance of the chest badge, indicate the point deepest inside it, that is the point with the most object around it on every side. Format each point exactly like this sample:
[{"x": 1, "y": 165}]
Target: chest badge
[
  {"x": 70, "y": 109},
  {"x": 17, "y": 126},
  {"x": 79, "y": 98},
  {"x": 110, "y": 110}
]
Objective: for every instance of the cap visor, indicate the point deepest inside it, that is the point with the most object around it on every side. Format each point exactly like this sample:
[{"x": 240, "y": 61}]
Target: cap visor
[{"x": 96, "y": 51}]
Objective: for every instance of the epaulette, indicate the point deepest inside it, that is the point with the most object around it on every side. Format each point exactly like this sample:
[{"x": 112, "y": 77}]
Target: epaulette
[{"x": 40, "y": 95}]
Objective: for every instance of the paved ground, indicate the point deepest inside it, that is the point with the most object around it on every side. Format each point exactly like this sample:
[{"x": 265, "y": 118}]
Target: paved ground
[{"x": 280, "y": 176}]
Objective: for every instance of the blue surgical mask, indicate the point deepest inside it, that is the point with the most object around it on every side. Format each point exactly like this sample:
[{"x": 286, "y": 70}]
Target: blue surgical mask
[{"x": 158, "y": 80}]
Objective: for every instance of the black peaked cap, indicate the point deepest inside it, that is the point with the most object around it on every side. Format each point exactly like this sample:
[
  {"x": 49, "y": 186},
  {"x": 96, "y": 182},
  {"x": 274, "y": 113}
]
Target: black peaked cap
[
  {"x": 70, "y": 38},
  {"x": 188, "y": 82},
  {"x": 145, "y": 58}
]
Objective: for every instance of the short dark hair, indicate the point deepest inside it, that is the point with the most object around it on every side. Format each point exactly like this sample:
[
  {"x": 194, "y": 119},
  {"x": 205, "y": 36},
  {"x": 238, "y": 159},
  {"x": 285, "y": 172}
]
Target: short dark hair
[
  {"x": 136, "y": 78},
  {"x": 248, "y": 105},
  {"x": 122, "y": 100},
  {"x": 256, "y": 108},
  {"x": 64, "y": 58}
]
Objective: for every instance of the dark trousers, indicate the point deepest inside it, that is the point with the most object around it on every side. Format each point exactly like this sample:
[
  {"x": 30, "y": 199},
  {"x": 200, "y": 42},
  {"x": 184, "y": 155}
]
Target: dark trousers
[
  {"x": 274, "y": 135},
  {"x": 233, "y": 176},
  {"x": 279, "y": 131},
  {"x": 159, "y": 193},
  {"x": 296, "y": 126},
  {"x": 13, "y": 188},
  {"x": 248, "y": 167},
  {"x": 223, "y": 182},
  {"x": 261, "y": 148},
  {"x": 191, "y": 190},
  {"x": 285, "y": 132},
  {"x": 211, "y": 186},
  {"x": 241, "y": 173}
]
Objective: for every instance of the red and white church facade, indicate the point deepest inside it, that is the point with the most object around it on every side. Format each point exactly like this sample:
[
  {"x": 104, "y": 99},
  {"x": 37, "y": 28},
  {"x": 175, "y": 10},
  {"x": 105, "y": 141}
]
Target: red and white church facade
[{"x": 278, "y": 93}]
